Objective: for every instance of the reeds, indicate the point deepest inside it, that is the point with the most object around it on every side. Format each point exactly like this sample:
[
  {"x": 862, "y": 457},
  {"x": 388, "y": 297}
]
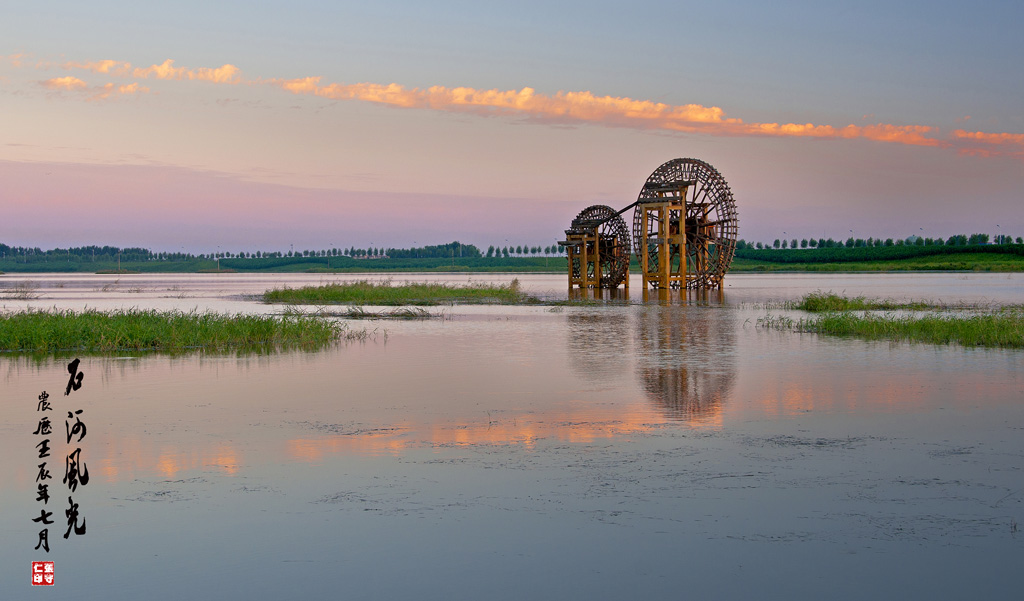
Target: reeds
[
  {"x": 398, "y": 313},
  {"x": 841, "y": 316},
  {"x": 1001, "y": 329},
  {"x": 820, "y": 302},
  {"x": 25, "y": 290},
  {"x": 92, "y": 331},
  {"x": 365, "y": 292}
]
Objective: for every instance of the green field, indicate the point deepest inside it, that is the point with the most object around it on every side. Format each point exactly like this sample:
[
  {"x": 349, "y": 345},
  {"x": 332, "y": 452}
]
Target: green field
[{"x": 1004, "y": 257}]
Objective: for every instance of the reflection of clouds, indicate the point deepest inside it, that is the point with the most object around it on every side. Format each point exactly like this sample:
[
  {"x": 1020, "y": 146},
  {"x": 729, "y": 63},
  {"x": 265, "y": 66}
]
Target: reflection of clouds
[
  {"x": 131, "y": 457},
  {"x": 600, "y": 342},
  {"x": 581, "y": 423},
  {"x": 686, "y": 359}
]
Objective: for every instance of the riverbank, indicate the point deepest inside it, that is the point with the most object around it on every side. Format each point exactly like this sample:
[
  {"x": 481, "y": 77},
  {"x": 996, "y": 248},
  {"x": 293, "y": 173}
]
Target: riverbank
[{"x": 994, "y": 258}]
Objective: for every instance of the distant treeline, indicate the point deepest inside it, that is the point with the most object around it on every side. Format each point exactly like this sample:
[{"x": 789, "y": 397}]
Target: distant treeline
[
  {"x": 22, "y": 254},
  {"x": 81, "y": 253},
  {"x": 454, "y": 256},
  {"x": 851, "y": 242},
  {"x": 843, "y": 254}
]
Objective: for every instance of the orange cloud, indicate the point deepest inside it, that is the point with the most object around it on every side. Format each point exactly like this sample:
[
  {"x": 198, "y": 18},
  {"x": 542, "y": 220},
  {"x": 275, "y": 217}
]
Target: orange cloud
[
  {"x": 560, "y": 107},
  {"x": 103, "y": 66},
  {"x": 64, "y": 83},
  {"x": 608, "y": 110},
  {"x": 987, "y": 138},
  {"x": 132, "y": 88},
  {"x": 107, "y": 90},
  {"x": 223, "y": 74},
  {"x": 167, "y": 70},
  {"x": 15, "y": 59},
  {"x": 984, "y": 144}
]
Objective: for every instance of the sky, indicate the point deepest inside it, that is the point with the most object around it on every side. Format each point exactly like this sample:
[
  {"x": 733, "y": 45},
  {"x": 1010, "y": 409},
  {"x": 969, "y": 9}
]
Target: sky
[{"x": 245, "y": 126}]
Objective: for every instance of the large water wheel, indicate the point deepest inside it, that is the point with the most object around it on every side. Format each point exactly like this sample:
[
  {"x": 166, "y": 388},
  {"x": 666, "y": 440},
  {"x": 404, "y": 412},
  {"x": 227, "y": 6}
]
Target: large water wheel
[{"x": 685, "y": 226}]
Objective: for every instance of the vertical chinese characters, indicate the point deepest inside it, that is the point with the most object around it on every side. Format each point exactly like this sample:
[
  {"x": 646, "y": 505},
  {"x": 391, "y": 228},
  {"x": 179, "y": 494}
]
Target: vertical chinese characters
[
  {"x": 75, "y": 470},
  {"x": 43, "y": 428}
]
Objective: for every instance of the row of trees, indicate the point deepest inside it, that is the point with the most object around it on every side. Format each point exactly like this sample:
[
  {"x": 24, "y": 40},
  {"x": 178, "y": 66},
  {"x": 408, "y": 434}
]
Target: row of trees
[
  {"x": 113, "y": 253},
  {"x": 79, "y": 253},
  {"x": 522, "y": 251},
  {"x": 440, "y": 251},
  {"x": 851, "y": 242}
]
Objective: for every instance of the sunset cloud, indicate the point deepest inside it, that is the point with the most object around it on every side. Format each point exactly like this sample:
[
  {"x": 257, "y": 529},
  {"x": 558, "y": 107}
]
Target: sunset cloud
[
  {"x": 167, "y": 70},
  {"x": 102, "y": 92},
  {"x": 566, "y": 107},
  {"x": 987, "y": 138},
  {"x": 986, "y": 144},
  {"x": 16, "y": 60},
  {"x": 608, "y": 110},
  {"x": 104, "y": 66},
  {"x": 64, "y": 83},
  {"x": 108, "y": 90}
]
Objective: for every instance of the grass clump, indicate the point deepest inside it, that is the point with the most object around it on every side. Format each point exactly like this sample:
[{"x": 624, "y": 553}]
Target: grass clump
[
  {"x": 398, "y": 313},
  {"x": 365, "y": 292},
  {"x": 94, "y": 331},
  {"x": 842, "y": 316},
  {"x": 20, "y": 291},
  {"x": 1002, "y": 329},
  {"x": 820, "y": 302}
]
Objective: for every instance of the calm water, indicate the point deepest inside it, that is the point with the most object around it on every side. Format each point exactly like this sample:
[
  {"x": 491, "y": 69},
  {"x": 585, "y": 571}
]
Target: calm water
[{"x": 663, "y": 449}]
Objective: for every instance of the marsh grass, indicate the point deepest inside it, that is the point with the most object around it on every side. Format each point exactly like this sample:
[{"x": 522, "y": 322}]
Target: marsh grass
[
  {"x": 91, "y": 331},
  {"x": 820, "y": 302},
  {"x": 399, "y": 313},
  {"x": 858, "y": 317},
  {"x": 365, "y": 292},
  {"x": 26, "y": 290},
  {"x": 1000, "y": 329}
]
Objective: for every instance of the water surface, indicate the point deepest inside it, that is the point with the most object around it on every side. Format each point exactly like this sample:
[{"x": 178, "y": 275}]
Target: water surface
[{"x": 628, "y": 449}]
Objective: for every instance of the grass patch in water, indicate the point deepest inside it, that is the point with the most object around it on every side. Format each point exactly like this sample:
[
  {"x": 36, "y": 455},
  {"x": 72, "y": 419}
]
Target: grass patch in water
[
  {"x": 94, "y": 331},
  {"x": 399, "y": 313},
  {"x": 1000, "y": 329},
  {"x": 820, "y": 302},
  {"x": 840, "y": 316},
  {"x": 365, "y": 292}
]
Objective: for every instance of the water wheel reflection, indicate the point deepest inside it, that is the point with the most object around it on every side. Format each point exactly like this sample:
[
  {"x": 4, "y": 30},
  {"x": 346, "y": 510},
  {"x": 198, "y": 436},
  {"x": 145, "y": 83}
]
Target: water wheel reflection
[
  {"x": 598, "y": 342},
  {"x": 686, "y": 360}
]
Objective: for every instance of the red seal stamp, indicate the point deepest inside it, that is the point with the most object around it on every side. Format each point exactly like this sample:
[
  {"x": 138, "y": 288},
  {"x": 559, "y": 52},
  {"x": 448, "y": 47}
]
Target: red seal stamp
[{"x": 42, "y": 573}]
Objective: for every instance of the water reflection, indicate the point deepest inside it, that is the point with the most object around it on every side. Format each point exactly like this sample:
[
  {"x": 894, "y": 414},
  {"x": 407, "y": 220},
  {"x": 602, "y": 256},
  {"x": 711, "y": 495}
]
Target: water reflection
[
  {"x": 686, "y": 360},
  {"x": 673, "y": 296},
  {"x": 599, "y": 294},
  {"x": 661, "y": 296},
  {"x": 600, "y": 344}
]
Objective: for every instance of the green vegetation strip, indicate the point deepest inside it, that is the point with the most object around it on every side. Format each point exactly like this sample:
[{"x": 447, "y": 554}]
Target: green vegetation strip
[
  {"x": 820, "y": 302},
  {"x": 842, "y": 316},
  {"x": 1003, "y": 329},
  {"x": 173, "y": 331},
  {"x": 365, "y": 292}
]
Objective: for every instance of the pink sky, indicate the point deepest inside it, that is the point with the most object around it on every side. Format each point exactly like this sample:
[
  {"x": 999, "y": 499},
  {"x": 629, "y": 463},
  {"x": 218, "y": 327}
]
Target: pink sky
[{"x": 131, "y": 145}]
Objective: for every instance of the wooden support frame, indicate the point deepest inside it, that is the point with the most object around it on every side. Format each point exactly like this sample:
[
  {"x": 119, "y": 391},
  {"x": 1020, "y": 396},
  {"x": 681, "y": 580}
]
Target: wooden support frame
[
  {"x": 584, "y": 256},
  {"x": 663, "y": 262}
]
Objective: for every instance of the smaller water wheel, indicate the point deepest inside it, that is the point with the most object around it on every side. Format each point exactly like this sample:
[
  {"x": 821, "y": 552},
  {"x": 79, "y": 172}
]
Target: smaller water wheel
[{"x": 599, "y": 247}]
